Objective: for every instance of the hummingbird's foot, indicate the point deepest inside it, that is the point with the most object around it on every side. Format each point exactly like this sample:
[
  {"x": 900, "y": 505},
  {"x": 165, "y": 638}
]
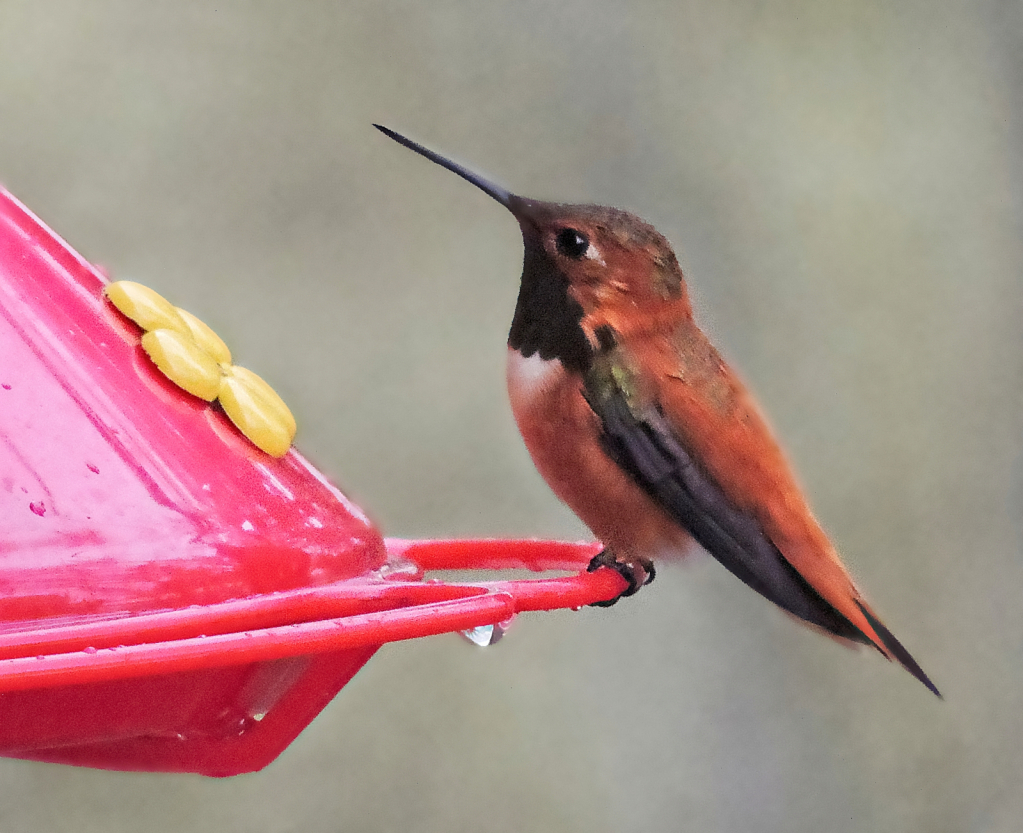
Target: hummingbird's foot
[{"x": 637, "y": 573}]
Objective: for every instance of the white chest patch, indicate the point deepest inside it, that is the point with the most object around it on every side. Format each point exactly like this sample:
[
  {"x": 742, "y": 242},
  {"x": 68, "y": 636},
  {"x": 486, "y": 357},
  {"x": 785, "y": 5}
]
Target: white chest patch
[{"x": 530, "y": 377}]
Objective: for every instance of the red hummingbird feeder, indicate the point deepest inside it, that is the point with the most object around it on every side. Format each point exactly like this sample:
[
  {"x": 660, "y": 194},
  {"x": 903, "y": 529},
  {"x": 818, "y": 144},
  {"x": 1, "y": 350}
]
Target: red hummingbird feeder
[{"x": 172, "y": 597}]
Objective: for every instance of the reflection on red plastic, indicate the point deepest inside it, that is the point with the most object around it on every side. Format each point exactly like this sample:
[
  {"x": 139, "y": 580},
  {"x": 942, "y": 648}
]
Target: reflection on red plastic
[{"x": 172, "y": 598}]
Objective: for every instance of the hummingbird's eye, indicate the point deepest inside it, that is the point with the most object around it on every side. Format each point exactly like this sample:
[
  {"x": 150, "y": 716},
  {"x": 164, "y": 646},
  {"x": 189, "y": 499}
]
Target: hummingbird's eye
[{"x": 572, "y": 243}]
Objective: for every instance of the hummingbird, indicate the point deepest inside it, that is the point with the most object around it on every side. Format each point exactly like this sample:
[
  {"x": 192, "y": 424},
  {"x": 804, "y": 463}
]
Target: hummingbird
[{"x": 637, "y": 423}]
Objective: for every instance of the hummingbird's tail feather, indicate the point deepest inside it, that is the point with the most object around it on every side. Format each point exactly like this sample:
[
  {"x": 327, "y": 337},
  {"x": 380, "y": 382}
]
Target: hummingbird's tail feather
[
  {"x": 645, "y": 447},
  {"x": 894, "y": 649}
]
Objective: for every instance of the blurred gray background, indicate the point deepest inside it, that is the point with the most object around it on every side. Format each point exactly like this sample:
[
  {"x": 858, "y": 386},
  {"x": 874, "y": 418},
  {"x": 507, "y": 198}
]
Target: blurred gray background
[{"x": 843, "y": 182}]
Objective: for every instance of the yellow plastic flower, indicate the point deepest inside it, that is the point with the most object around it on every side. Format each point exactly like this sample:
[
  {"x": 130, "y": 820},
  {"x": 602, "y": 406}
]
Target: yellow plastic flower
[{"x": 196, "y": 359}]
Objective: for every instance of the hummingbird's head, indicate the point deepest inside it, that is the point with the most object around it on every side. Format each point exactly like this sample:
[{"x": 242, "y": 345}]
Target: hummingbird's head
[
  {"x": 587, "y": 269},
  {"x": 619, "y": 269}
]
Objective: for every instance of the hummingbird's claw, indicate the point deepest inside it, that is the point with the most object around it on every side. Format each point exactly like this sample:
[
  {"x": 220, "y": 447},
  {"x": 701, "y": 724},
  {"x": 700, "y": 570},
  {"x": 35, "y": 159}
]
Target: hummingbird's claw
[{"x": 637, "y": 574}]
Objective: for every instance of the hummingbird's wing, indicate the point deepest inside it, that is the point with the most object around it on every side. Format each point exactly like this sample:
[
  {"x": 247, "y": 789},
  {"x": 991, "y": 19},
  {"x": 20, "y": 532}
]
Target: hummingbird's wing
[{"x": 642, "y": 442}]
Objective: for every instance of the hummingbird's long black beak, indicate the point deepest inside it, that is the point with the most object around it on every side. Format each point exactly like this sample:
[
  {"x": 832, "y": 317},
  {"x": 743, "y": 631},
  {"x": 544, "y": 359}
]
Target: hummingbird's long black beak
[{"x": 500, "y": 194}]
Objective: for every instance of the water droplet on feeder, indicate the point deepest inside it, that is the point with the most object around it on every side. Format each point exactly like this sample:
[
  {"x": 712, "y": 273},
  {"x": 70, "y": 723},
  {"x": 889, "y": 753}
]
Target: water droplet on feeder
[{"x": 487, "y": 635}]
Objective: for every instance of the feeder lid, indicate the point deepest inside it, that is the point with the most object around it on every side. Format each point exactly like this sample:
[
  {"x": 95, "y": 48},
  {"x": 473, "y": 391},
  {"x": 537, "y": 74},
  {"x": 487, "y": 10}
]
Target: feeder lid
[{"x": 120, "y": 492}]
